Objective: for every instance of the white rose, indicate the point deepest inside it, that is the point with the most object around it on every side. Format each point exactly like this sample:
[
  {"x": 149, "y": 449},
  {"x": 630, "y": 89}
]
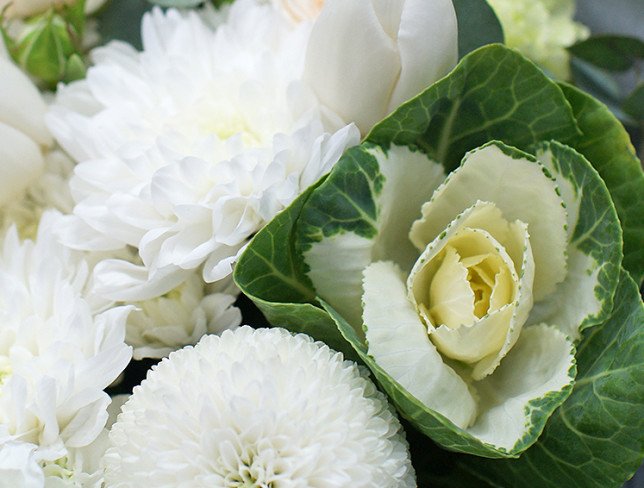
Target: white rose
[{"x": 365, "y": 58}]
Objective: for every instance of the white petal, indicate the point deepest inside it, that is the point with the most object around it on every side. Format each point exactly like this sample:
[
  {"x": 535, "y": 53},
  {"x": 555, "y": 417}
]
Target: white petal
[
  {"x": 399, "y": 343},
  {"x": 522, "y": 304},
  {"x": 335, "y": 269},
  {"x": 351, "y": 62},
  {"x": 428, "y": 46},
  {"x": 122, "y": 281},
  {"x": 514, "y": 250},
  {"x": 541, "y": 362},
  {"x": 21, "y": 163},
  {"x": 410, "y": 179},
  {"x": 21, "y": 105},
  {"x": 19, "y": 466},
  {"x": 338, "y": 280},
  {"x": 521, "y": 190}
]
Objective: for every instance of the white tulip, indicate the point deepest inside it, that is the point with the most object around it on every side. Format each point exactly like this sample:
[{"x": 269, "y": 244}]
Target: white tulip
[
  {"x": 22, "y": 132},
  {"x": 21, "y": 105},
  {"x": 366, "y": 57}
]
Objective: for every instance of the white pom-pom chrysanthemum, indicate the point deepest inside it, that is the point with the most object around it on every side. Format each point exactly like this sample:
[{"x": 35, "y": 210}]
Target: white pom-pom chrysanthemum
[
  {"x": 187, "y": 148},
  {"x": 257, "y": 408},
  {"x": 58, "y": 352}
]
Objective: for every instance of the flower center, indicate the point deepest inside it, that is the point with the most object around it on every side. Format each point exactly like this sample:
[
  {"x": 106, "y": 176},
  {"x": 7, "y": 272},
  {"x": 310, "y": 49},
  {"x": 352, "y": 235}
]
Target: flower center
[
  {"x": 465, "y": 282},
  {"x": 5, "y": 370},
  {"x": 231, "y": 126}
]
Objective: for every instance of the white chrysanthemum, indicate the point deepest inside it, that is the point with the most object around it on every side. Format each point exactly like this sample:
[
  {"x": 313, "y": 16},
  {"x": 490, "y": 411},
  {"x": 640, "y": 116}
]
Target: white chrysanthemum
[
  {"x": 541, "y": 30},
  {"x": 257, "y": 408},
  {"x": 189, "y": 147},
  {"x": 57, "y": 351},
  {"x": 181, "y": 317},
  {"x": 50, "y": 190},
  {"x": 21, "y": 464}
]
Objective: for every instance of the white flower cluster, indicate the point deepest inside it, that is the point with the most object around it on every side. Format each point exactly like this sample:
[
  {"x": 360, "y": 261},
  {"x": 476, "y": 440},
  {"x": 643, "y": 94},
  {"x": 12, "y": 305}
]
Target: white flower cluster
[
  {"x": 119, "y": 234},
  {"x": 186, "y": 149},
  {"x": 258, "y": 408},
  {"x": 58, "y": 352}
]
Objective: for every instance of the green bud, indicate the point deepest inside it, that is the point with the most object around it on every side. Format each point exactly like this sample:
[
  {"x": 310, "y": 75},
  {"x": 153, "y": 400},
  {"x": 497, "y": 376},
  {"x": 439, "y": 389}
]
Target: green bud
[{"x": 75, "y": 69}]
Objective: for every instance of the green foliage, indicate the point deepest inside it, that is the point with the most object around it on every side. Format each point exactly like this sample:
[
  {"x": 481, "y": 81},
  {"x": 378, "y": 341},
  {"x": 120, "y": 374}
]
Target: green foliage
[
  {"x": 634, "y": 104},
  {"x": 606, "y": 144},
  {"x": 493, "y": 94},
  {"x": 478, "y": 25},
  {"x": 613, "y": 53}
]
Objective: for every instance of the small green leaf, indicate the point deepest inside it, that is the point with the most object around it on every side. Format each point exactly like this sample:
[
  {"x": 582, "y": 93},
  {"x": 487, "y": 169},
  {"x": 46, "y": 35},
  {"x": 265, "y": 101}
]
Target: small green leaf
[
  {"x": 614, "y": 53},
  {"x": 596, "y": 438},
  {"x": 607, "y": 145},
  {"x": 478, "y": 25},
  {"x": 493, "y": 94},
  {"x": 634, "y": 104}
]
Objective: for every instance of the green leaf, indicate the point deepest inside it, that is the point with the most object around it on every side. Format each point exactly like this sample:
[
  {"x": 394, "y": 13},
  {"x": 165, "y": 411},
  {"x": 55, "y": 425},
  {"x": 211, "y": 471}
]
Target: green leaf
[
  {"x": 634, "y": 104},
  {"x": 493, "y": 94},
  {"x": 478, "y": 25},
  {"x": 596, "y": 438},
  {"x": 602, "y": 85},
  {"x": 270, "y": 273},
  {"x": 614, "y": 53},
  {"x": 594, "y": 250},
  {"x": 606, "y": 144}
]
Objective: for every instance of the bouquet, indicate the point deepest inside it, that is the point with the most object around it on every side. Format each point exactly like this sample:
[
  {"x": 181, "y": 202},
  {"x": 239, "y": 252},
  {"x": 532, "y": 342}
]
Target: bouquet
[{"x": 307, "y": 243}]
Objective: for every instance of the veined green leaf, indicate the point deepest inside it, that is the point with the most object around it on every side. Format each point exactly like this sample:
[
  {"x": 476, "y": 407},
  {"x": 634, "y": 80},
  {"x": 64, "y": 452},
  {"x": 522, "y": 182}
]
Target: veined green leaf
[
  {"x": 606, "y": 144},
  {"x": 594, "y": 245},
  {"x": 493, "y": 94},
  {"x": 270, "y": 273},
  {"x": 595, "y": 439}
]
